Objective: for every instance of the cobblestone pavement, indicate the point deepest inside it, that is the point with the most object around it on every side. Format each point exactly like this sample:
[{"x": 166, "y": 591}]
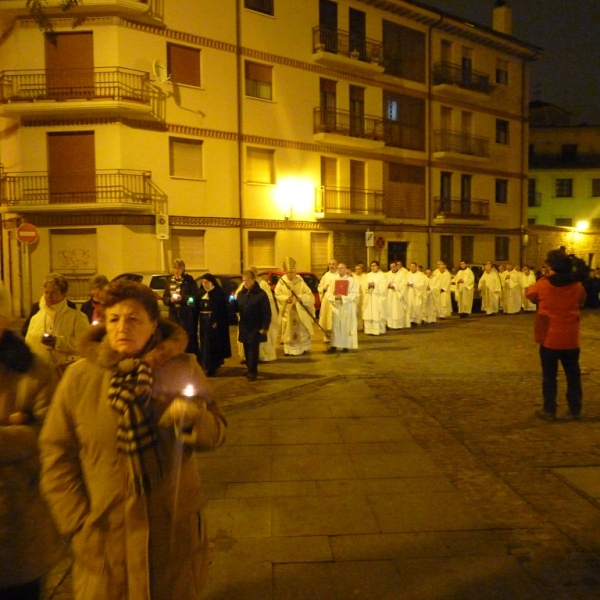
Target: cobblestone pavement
[{"x": 464, "y": 391}]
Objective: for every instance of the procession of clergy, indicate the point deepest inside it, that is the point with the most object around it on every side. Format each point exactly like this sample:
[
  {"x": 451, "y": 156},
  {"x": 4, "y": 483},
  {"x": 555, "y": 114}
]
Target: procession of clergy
[{"x": 401, "y": 298}]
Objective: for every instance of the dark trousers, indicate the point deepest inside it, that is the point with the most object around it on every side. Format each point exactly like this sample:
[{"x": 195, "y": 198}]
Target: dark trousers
[
  {"x": 251, "y": 354},
  {"x": 28, "y": 591},
  {"x": 569, "y": 360}
]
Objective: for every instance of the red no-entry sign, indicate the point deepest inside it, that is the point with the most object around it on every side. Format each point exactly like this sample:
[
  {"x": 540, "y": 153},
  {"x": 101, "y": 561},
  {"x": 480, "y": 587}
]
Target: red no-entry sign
[{"x": 27, "y": 233}]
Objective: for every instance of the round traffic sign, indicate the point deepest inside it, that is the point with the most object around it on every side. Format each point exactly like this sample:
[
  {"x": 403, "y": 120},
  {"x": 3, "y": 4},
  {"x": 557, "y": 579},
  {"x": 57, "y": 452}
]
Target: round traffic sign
[
  {"x": 379, "y": 242},
  {"x": 27, "y": 233}
]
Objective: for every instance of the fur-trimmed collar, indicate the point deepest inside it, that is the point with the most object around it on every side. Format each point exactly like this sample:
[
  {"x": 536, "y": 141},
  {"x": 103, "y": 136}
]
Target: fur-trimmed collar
[{"x": 168, "y": 341}]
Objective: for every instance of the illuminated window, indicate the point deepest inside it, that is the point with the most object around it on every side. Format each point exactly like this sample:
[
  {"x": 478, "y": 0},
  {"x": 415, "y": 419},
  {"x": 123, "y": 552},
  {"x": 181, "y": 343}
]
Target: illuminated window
[{"x": 259, "y": 80}]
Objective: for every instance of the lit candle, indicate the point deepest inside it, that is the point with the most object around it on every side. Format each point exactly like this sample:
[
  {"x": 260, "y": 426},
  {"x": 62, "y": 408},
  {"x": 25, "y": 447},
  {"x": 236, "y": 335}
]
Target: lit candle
[{"x": 189, "y": 391}]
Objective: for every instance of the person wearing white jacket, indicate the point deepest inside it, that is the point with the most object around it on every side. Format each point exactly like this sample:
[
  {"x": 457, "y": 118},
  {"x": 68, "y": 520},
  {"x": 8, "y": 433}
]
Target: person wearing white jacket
[{"x": 52, "y": 331}]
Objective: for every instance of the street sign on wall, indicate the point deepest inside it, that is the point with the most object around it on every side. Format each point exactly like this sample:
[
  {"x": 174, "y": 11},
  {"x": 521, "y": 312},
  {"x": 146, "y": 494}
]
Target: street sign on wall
[{"x": 27, "y": 233}]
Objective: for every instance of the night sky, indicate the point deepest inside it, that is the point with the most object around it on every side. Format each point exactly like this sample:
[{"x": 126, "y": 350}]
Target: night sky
[{"x": 568, "y": 73}]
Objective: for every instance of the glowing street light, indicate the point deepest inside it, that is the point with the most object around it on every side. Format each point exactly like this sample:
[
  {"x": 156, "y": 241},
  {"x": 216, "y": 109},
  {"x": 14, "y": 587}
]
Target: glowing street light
[{"x": 582, "y": 226}]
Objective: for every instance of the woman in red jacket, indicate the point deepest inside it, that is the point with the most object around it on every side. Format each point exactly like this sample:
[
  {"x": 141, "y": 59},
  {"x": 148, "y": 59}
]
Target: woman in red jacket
[{"x": 558, "y": 296}]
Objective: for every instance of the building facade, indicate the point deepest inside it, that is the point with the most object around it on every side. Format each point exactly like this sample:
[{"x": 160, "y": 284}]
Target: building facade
[
  {"x": 237, "y": 132},
  {"x": 564, "y": 186}
]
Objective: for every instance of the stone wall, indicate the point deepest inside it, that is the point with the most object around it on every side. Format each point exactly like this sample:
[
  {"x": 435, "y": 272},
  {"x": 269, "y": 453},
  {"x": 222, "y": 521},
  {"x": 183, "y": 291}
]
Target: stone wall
[{"x": 542, "y": 238}]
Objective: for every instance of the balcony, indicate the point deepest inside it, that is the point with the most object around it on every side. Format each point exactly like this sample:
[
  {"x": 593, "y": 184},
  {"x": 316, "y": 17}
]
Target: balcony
[
  {"x": 147, "y": 11},
  {"x": 450, "y": 210},
  {"x": 348, "y": 203},
  {"x": 460, "y": 82},
  {"x": 346, "y": 129},
  {"x": 104, "y": 190},
  {"x": 347, "y": 52},
  {"x": 99, "y": 92},
  {"x": 561, "y": 160},
  {"x": 455, "y": 144}
]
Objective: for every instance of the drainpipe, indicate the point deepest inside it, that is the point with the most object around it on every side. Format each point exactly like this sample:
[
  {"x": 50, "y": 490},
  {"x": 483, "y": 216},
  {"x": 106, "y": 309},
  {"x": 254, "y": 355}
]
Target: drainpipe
[
  {"x": 240, "y": 123},
  {"x": 429, "y": 140}
]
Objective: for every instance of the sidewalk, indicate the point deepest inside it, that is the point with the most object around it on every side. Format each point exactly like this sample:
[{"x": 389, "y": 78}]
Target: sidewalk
[{"x": 410, "y": 469}]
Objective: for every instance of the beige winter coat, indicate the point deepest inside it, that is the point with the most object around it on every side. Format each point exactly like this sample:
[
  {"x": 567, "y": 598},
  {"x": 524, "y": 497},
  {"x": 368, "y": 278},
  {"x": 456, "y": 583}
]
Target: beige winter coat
[
  {"x": 149, "y": 547},
  {"x": 29, "y": 542}
]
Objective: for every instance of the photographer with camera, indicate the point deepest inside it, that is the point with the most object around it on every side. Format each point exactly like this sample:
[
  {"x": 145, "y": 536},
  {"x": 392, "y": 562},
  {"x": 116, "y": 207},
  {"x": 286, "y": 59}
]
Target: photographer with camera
[{"x": 558, "y": 296}]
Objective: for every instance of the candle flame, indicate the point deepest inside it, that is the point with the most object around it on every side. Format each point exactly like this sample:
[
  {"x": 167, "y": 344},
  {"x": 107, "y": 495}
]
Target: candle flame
[{"x": 189, "y": 391}]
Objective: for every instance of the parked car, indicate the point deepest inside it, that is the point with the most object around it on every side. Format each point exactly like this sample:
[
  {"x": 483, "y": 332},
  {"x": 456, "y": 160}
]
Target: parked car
[
  {"x": 230, "y": 284},
  {"x": 311, "y": 280}
]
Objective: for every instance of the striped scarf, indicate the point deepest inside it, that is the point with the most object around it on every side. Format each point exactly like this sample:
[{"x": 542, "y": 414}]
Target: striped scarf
[{"x": 129, "y": 394}]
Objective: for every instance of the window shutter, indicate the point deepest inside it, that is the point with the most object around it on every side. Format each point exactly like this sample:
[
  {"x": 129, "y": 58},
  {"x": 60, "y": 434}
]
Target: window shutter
[
  {"x": 261, "y": 248},
  {"x": 260, "y": 165},
  {"x": 188, "y": 244},
  {"x": 186, "y": 158},
  {"x": 319, "y": 252},
  {"x": 184, "y": 64}
]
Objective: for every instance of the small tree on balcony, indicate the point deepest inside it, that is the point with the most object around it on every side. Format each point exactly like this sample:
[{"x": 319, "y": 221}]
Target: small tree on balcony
[{"x": 36, "y": 10}]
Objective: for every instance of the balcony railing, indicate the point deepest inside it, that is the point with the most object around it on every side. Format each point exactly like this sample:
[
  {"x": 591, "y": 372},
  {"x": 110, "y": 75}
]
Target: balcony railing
[
  {"x": 341, "y": 42},
  {"x": 343, "y": 122},
  {"x": 581, "y": 160},
  {"x": 348, "y": 201},
  {"x": 104, "y": 188},
  {"x": 445, "y": 140},
  {"x": 445, "y": 72},
  {"x": 462, "y": 208},
  {"x": 102, "y": 83},
  {"x": 404, "y": 136}
]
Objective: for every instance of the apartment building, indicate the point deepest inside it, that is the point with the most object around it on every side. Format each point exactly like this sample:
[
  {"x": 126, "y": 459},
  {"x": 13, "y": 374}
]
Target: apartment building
[{"x": 237, "y": 132}]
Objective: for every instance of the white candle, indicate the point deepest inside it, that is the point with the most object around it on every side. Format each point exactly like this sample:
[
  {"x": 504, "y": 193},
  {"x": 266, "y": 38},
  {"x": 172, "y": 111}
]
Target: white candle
[{"x": 189, "y": 391}]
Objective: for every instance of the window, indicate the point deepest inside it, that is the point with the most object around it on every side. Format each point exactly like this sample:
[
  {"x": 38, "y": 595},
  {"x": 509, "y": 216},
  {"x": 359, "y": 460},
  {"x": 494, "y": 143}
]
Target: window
[
  {"x": 533, "y": 196},
  {"x": 568, "y": 152},
  {"x": 260, "y": 165},
  {"x": 403, "y": 52},
  {"x": 404, "y": 121},
  {"x": 530, "y": 220},
  {"x": 564, "y": 222},
  {"x": 185, "y": 157},
  {"x": 262, "y": 6},
  {"x": 189, "y": 243},
  {"x": 183, "y": 64},
  {"x": 501, "y": 191},
  {"x": 502, "y": 247},
  {"x": 501, "y": 131},
  {"x": 261, "y": 248},
  {"x": 595, "y": 188},
  {"x": 466, "y": 248},
  {"x": 259, "y": 80},
  {"x": 595, "y": 223},
  {"x": 502, "y": 72},
  {"x": 564, "y": 188},
  {"x": 447, "y": 250}
]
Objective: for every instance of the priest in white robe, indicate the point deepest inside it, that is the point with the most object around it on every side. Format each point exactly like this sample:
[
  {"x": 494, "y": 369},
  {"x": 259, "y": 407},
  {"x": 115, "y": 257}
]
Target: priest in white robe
[
  {"x": 491, "y": 290},
  {"x": 395, "y": 303},
  {"x": 415, "y": 287},
  {"x": 442, "y": 295},
  {"x": 512, "y": 290},
  {"x": 296, "y": 321},
  {"x": 360, "y": 277},
  {"x": 428, "y": 309},
  {"x": 374, "y": 316},
  {"x": 341, "y": 296},
  {"x": 527, "y": 280},
  {"x": 465, "y": 287},
  {"x": 324, "y": 284}
]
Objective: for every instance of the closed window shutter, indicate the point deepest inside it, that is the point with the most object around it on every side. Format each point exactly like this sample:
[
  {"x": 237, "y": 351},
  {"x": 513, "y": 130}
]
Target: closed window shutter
[
  {"x": 183, "y": 64},
  {"x": 260, "y": 165},
  {"x": 261, "y": 248},
  {"x": 186, "y": 158},
  {"x": 319, "y": 252},
  {"x": 188, "y": 244}
]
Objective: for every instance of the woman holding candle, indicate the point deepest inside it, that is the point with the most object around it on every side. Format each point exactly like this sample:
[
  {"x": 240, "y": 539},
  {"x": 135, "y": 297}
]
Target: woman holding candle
[{"x": 117, "y": 455}]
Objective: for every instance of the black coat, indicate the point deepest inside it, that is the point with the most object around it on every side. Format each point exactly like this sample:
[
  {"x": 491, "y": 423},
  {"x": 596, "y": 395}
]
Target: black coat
[
  {"x": 215, "y": 345},
  {"x": 184, "y": 311},
  {"x": 255, "y": 313}
]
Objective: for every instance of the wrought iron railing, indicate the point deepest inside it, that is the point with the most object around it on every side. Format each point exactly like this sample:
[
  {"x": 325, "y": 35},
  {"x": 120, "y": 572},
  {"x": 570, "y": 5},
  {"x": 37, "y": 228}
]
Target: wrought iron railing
[
  {"x": 336, "y": 41},
  {"x": 464, "y": 208},
  {"x": 556, "y": 160},
  {"x": 348, "y": 200},
  {"x": 104, "y": 187},
  {"x": 445, "y": 140},
  {"x": 404, "y": 136},
  {"x": 155, "y": 9},
  {"x": 446, "y": 72},
  {"x": 101, "y": 83},
  {"x": 344, "y": 122}
]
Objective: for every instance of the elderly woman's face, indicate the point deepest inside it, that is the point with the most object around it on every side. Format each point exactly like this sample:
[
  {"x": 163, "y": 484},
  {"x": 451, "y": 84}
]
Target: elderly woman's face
[{"x": 128, "y": 327}]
